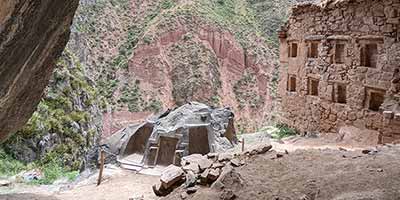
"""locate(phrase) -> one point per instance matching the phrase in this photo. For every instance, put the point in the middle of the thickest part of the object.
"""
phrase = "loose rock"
(228, 195)
(264, 149)
(190, 179)
(225, 157)
(159, 190)
(192, 190)
(213, 175)
(204, 164)
(235, 162)
(171, 175)
(5, 183)
(217, 165)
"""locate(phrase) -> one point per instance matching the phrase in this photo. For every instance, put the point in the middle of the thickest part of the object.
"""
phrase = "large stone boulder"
(33, 34)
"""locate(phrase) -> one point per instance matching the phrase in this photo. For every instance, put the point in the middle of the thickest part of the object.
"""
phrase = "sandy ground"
(117, 184)
(315, 168)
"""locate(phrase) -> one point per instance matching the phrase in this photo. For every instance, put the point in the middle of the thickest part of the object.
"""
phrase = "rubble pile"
(202, 170)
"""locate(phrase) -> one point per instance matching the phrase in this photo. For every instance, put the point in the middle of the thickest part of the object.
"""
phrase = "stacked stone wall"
(354, 78)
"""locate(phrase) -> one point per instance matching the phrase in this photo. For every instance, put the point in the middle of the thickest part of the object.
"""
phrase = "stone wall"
(340, 63)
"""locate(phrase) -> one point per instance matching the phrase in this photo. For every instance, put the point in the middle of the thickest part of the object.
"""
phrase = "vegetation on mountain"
(93, 76)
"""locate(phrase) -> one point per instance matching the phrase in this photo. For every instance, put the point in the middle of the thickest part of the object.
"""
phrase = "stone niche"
(193, 128)
(340, 68)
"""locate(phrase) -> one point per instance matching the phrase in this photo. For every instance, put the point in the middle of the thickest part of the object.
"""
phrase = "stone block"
(191, 179)
(388, 114)
(204, 164)
(171, 176)
(213, 175)
(225, 157)
(194, 167)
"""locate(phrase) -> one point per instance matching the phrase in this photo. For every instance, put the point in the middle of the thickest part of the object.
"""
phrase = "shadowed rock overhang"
(33, 34)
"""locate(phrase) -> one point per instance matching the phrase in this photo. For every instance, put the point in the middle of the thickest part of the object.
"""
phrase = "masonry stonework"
(340, 68)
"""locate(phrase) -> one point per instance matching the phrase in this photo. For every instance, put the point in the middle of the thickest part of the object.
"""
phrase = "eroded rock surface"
(32, 36)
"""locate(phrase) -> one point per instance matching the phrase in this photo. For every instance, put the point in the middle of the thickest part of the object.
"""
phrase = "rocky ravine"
(132, 58)
(172, 52)
(32, 35)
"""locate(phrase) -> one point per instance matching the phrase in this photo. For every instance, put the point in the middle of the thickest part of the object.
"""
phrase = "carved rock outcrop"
(32, 36)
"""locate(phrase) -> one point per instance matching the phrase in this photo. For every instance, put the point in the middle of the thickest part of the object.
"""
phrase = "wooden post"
(102, 157)
(242, 144)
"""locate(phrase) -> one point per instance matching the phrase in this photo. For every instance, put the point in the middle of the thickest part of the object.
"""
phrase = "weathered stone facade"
(340, 68)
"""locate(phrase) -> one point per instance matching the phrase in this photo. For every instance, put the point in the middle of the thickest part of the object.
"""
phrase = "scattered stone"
(213, 175)
(379, 170)
(159, 190)
(204, 164)
(264, 149)
(278, 155)
(184, 195)
(192, 190)
(31, 175)
(171, 175)
(191, 179)
(137, 198)
(342, 149)
(242, 162)
(228, 195)
(217, 165)
(191, 159)
(212, 155)
(194, 167)
(235, 162)
(203, 177)
(366, 151)
(286, 152)
(5, 183)
(253, 152)
(225, 157)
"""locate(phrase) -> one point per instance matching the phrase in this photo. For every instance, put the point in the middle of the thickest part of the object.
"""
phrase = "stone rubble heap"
(202, 170)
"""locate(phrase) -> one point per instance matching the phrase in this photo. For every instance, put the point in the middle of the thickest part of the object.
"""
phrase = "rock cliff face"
(161, 54)
(206, 64)
(32, 35)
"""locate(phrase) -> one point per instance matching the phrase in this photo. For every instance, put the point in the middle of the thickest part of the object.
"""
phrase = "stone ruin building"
(340, 63)
(193, 128)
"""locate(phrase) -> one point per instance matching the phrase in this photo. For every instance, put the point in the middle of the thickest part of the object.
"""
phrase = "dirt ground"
(124, 186)
(313, 170)
(313, 175)
(118, 184)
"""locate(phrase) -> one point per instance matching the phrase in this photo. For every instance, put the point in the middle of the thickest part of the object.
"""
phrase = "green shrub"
(283, 131)
(8, 165)
(53, 171)
(155, 105)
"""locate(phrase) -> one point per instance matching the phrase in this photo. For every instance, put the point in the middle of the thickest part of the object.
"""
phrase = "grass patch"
(279, 131)
(9, 166)
(52, 170)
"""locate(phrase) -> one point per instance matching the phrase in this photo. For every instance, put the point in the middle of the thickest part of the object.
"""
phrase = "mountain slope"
(128, 59)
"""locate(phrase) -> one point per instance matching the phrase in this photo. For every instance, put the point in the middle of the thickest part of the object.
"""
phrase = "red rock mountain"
(185, 55)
